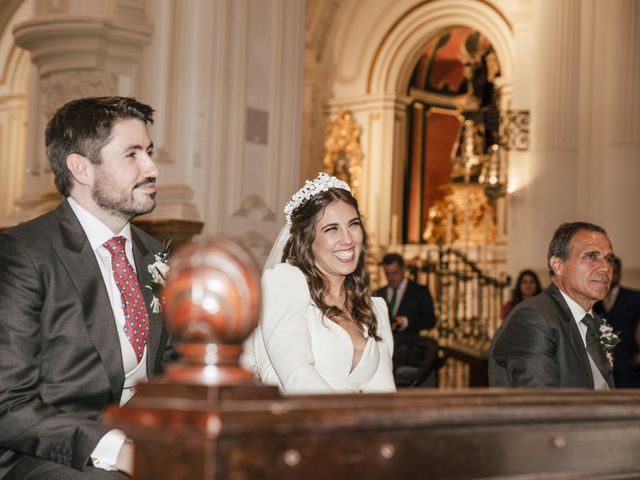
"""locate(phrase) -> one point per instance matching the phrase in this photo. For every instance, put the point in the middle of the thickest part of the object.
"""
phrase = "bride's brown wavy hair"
(298, 251)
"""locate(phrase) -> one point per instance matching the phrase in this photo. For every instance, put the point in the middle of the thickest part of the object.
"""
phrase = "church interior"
(475, 127)
(467, 129)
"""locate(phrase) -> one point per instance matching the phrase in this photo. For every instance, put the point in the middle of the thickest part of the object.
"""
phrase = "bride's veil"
(248, 358)
(275, 256)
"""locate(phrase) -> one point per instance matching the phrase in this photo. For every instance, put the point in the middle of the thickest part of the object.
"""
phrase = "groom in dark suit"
(76, 327)
(554, 339)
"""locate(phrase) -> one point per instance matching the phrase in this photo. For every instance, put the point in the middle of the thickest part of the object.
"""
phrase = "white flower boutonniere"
(159, 270)
(608, 339)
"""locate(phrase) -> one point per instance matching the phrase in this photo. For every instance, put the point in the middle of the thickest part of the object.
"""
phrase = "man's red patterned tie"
(136, 324)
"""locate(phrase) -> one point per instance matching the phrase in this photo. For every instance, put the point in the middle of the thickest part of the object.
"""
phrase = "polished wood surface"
(210, 420)
(211, 304)
(179, 232)
(198, 432)
(473, 355)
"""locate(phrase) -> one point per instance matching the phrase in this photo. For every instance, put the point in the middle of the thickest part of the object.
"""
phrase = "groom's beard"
(123, 202)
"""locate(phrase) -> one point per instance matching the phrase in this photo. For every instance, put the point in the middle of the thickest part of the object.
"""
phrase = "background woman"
(527, 286)
(320, 330)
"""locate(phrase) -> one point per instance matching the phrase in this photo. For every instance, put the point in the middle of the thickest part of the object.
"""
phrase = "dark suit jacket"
(623, 317)
(60, 359)
(416, 305)
(539, 345)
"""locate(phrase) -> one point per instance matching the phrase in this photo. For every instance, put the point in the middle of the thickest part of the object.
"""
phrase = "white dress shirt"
(578, 314)
(105, 454)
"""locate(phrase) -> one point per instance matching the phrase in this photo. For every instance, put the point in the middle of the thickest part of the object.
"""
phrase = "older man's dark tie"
(594, 348)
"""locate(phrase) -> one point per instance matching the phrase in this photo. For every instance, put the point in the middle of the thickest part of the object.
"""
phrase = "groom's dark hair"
(560, 245)
(84, 127)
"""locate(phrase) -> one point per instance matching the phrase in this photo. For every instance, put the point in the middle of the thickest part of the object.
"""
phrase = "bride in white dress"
(320, 331)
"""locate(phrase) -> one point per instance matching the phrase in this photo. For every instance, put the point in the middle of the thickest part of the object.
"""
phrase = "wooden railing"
(178, 232)
(469, 302)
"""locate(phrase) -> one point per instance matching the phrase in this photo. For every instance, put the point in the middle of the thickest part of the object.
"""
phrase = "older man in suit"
(76, 327)
(554, 338)
(415, 360)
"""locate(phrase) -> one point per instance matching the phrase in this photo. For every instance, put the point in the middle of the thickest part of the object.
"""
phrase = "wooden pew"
(207, 419)
(198, 432)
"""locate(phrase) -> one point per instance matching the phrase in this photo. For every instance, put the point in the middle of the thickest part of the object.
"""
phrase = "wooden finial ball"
(212, 293)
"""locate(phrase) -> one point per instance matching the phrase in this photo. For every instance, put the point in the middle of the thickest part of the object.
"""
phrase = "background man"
(553, 339)
(621, 308)
(415, 360)
(76, 330)
(410, 305)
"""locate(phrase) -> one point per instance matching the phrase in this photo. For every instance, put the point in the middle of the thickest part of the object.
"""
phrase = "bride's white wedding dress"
(301, 351)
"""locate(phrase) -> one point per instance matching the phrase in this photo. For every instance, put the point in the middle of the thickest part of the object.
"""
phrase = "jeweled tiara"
(321, 183)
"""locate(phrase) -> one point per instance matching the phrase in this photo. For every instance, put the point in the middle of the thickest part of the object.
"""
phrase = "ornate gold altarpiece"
(467, 212)
(343, 156)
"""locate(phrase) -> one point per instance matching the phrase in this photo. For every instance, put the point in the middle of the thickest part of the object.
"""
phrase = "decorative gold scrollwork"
(464, 214)
(514, 129)
(467, 211)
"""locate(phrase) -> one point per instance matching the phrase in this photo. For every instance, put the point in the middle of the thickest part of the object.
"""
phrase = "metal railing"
(468, 304)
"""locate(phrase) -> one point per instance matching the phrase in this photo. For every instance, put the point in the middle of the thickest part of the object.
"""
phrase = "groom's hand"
(125, 461)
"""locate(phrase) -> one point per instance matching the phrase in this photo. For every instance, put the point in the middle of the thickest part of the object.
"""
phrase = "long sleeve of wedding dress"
(283, 343)
(382, 380)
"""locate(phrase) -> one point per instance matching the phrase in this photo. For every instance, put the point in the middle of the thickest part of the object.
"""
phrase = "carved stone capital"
(61, 87)
(256, 205)
(80, 42)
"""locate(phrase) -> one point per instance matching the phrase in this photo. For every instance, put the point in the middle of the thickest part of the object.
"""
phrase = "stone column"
(14, 81)
(250, 116)
(78, 49)
(550, 84)
(609, 141)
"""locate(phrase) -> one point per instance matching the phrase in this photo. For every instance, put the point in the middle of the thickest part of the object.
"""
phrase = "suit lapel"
(571, 330)
(143, 257)
(80, 261)
(407, 295)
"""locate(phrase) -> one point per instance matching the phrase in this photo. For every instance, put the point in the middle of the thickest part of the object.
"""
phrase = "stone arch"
(402, 45)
